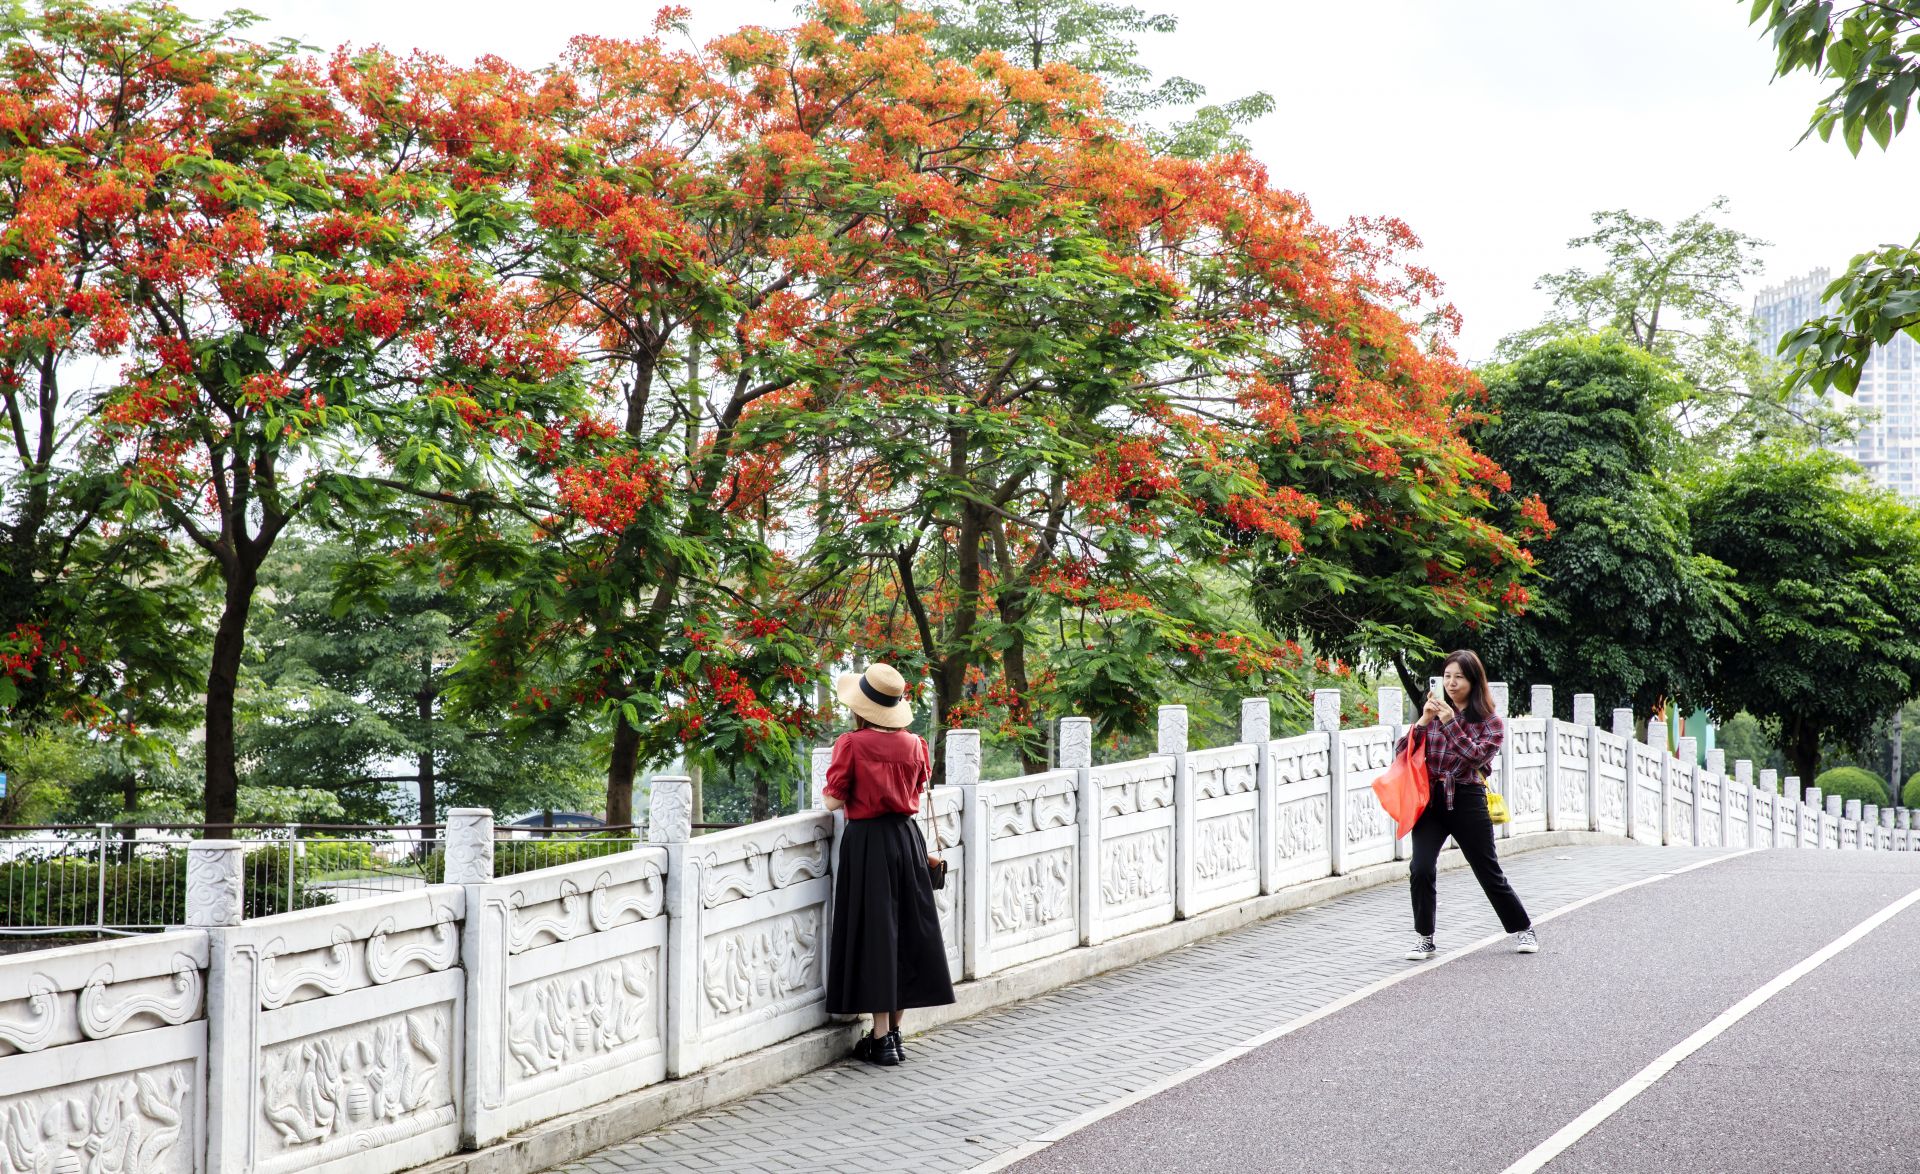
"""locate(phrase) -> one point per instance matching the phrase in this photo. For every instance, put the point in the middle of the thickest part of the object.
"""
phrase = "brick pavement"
(974, 1089)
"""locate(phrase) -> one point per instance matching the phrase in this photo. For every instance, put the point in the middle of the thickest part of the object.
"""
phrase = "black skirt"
(886, 953)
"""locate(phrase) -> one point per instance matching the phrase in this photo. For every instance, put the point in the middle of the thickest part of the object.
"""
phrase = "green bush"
(325, 855)
(1853, 782)
(1910, 795)
(145, 890)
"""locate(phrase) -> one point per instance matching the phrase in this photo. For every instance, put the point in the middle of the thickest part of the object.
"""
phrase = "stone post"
(1783, 836)
(1502, 781)
(1743, 778)
(1657, 746)
(1686, 757)
(1810, 798)
(1326, 720)
(215, 887)
(1583, 717)
(963, 771)
(1870, 826)
(1172, 743)
(483, 959)
(215, 882)
(1540, 705)
(1076, 755)
(1623, 728)
(1716, 770)
(821, 759)
(1393, 706)
(1256, 729)
(1850, 823)
(670, 826)
(1393, 715)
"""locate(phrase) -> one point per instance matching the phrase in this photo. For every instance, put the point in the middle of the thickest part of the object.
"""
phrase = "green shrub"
(1910, 795)
(149, 889)
(1853, 782)
(324, 855)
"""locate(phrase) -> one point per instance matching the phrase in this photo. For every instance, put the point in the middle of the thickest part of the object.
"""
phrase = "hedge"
(1853, 782)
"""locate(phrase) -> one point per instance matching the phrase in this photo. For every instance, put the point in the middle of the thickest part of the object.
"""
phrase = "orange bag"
(1403, 788)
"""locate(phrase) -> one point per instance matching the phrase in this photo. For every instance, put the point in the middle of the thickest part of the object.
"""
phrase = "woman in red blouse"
(886, 954)
(1462, 734)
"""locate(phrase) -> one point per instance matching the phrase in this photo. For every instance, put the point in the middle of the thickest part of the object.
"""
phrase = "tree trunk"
(620, 771)
(1895, 783)
(429, 810)
(1804, 745)
(222, 797)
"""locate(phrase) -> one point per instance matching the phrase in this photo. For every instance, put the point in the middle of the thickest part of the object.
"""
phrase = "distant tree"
(1825, 635)
(1098, 38)
(1626, 608)
(1675, 292)
(348, 694)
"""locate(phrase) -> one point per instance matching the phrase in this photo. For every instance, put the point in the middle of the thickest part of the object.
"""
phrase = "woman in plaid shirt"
(1462, 734)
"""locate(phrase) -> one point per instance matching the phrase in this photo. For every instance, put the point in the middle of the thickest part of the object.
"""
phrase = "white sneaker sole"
(1534, 948)
(1422, 955)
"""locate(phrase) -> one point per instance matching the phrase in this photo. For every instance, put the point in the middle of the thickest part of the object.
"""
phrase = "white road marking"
(1200, 1068)
(1616, 1100)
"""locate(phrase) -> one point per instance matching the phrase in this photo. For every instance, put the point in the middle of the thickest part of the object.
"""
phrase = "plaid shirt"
(1458, 751)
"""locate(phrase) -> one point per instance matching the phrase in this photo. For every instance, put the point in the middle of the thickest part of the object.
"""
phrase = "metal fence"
(61, 879)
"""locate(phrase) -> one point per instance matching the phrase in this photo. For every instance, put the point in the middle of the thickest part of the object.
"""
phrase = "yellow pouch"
(1497, 807)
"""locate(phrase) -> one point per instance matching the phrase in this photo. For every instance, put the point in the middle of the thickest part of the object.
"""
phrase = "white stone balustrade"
(379, 1034)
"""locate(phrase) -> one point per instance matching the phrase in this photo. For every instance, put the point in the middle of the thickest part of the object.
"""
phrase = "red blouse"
(879, 772)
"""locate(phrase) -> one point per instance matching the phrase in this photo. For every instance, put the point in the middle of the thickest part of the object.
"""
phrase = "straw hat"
(879, 695)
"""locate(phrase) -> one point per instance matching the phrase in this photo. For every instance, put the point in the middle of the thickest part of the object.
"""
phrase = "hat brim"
(892, 717)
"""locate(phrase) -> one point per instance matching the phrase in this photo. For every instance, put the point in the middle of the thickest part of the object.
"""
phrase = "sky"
(1493, 128)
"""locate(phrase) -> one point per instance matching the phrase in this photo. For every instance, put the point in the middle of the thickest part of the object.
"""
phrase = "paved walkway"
(975, 1090)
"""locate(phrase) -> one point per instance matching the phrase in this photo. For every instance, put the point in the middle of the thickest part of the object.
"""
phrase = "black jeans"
(1470, 828)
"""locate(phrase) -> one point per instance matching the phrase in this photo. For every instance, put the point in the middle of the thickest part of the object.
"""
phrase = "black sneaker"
(892, 1044)
(1423, 950)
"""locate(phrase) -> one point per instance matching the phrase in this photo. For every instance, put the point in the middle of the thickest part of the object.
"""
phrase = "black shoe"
(892, 1044)
(875, 1050)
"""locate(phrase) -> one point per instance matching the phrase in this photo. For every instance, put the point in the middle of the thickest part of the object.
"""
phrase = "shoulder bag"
(936, 867)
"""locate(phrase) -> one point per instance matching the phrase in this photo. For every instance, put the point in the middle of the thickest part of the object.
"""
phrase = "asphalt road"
(1469, 1066)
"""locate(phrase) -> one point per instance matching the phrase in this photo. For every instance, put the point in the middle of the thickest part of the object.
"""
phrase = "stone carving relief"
(1023, 811)
(1301, 828)
(124, 1124)
(1573, 793)
(571, 1018)
(775, 865)
(1137, 794)
(1366, 819)
(214, 883)
(1530, 790)
(569, 923)
(1680, 820)
(1032, 893)
(329, 975)
(1300, 765)
(604, 911)
(670, 811)
(762, 964)
(469, 847)
(43, 1005)
(438, 951)
(1613, 799)
(1646, 819)
(1224, 780)
(1135, 869)
(358, 1084)
(100, 1018)
(1223, 848)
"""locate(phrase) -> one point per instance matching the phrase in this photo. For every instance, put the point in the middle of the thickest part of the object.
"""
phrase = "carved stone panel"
(768, 964)
(357, 1087)
(1366, 819)
(1300, 829)
(1223, 848)
(1031, 896)
(1137, 869)
(581, 1020)
(134, 1121)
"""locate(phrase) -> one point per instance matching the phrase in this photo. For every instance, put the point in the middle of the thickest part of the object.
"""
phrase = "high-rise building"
(1888, 446)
